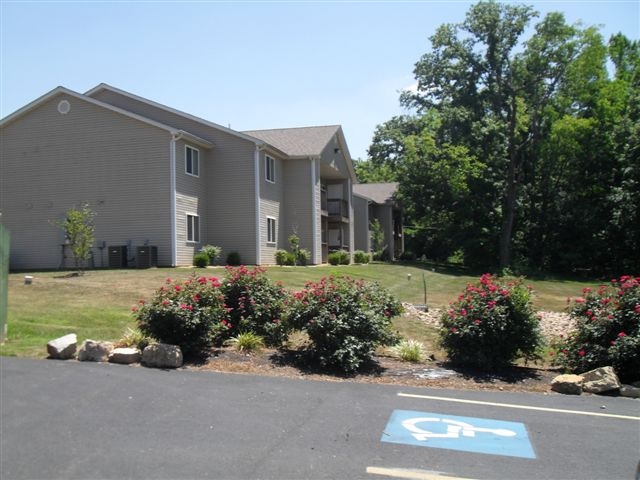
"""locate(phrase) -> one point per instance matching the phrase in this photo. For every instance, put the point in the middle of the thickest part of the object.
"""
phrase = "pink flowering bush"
(189, 314)
(607, 330)
(345, 320)
(254, 304)
(491, 325)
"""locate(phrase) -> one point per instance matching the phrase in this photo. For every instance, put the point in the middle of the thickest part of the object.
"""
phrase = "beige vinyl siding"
(230, 215)
(317, 212)
(272, 205)
(298, 209)
(231, 200)
(361, 224)
(191, 199)
(51, 162)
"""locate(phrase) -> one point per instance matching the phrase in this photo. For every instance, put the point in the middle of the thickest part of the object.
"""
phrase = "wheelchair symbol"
(454, 429)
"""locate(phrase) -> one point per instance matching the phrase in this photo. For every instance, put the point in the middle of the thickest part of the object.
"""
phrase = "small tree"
(377, 237)
(79, 231)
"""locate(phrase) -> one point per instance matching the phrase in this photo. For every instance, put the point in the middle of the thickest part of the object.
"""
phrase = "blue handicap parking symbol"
(467, 434)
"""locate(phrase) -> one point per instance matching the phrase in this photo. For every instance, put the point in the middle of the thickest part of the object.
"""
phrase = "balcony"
(338, 210)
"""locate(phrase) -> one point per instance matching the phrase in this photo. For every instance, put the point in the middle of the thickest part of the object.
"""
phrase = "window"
(192, 161)
(271, 230)
(270, 169)
(193, 228)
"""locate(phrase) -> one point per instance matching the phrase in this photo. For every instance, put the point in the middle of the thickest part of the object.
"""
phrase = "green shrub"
(361, 257)
(409, 351)
(233, 259)
(345, 320)
(254, 304)
(213, 253)
(607, 331)
(339, 257)
(188, 314)
(281, 257)
(201, 259)
(381, 255)
(491, 325)
(246, 342)
(302, 257)
(134, 338)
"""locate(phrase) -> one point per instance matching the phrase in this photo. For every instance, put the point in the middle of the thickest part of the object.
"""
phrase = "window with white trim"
(192, 161)
(193, 228)
(270, 169)
(271, 230)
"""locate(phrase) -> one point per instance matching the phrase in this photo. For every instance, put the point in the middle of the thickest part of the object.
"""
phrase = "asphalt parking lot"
(67, 419)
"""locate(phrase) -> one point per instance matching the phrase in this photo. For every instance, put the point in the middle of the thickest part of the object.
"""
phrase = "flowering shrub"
(607, 330)
(188, 314)
(254, 304)
(491, 325)
(344, 319)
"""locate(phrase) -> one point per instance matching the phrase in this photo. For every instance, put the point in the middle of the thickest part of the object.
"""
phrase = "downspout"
(256, 175)
(351, 219)
(172, 201)
(315, 212)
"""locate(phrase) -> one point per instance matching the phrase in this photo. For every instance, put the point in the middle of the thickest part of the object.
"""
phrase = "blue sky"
(246, 64)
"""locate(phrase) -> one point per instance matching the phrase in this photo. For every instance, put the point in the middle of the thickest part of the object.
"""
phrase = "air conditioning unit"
(118, 256)
(146, 257)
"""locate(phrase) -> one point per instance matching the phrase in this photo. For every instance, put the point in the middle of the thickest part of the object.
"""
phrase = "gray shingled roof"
(297, 142)
(378, 192)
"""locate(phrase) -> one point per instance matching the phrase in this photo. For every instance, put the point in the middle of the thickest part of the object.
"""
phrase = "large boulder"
(125, 356)
(92, 351)
(63, 348)
(600, 380)
(162, 355)
(567, 384)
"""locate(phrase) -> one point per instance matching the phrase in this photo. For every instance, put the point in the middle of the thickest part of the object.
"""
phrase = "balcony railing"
(338, 208)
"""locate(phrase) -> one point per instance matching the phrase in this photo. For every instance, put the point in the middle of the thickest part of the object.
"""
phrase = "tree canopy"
(522, 149)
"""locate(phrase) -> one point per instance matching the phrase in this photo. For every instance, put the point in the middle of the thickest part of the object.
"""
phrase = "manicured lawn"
(98, 304)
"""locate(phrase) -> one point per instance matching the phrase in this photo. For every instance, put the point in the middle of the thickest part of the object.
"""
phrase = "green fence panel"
(5, 244)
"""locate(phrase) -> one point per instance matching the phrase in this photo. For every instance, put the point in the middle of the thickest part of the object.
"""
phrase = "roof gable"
(305, 142)
(298, 142)
(380, 193)
(103, 86)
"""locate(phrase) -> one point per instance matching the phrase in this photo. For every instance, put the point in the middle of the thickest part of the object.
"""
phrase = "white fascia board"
(201, 142)
(62, 90)
(347, 155)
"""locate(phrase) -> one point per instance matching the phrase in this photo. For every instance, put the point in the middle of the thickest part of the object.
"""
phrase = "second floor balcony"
(338, 209)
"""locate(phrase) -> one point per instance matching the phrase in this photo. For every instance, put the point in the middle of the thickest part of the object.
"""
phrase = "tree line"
(521, 148)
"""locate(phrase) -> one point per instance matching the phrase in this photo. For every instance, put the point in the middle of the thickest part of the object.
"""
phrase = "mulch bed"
(383, 370)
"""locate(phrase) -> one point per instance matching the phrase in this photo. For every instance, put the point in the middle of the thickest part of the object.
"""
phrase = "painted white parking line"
(411, 474)
(522, 407)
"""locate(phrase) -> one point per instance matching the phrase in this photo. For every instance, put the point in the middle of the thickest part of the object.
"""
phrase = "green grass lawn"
(98, 304)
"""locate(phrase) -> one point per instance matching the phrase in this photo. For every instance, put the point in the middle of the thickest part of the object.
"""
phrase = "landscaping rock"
(125, 356)
(629, 391)
(92, 351)
(600, 380)
(63, 348)
(161, 355)
(567, 384)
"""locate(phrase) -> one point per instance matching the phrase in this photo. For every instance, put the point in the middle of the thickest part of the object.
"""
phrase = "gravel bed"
(553, 324)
